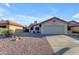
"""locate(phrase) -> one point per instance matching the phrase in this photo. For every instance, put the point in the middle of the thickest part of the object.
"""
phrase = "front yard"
(37, 45)
(27, 46)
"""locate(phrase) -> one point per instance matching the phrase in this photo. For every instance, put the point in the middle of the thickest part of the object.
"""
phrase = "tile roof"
(75, 23)
(54, 18)
(5, 22)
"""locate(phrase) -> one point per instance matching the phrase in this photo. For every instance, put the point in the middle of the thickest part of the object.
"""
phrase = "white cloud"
(4, 11)
(33, 18)
(27, 17)
(7, 4)
(23, 19)
(11, 18)
(23, 16)
(54, 10)
(1, 11)
(76, 15)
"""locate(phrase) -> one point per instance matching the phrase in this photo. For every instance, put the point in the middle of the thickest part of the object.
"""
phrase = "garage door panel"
(53, 30)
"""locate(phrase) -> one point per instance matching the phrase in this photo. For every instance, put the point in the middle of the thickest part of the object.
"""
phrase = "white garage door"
(53, 30)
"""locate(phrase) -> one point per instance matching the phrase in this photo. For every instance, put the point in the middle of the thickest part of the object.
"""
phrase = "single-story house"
(10, 25)
(51, 26)
(74, 26)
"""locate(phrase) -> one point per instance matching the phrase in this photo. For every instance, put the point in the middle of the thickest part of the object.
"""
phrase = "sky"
(27, 13)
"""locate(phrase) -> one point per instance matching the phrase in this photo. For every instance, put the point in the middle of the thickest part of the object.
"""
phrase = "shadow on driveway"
(62, 51)
(74, 37)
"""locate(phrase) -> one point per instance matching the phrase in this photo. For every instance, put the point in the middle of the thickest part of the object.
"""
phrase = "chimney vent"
(35, 22)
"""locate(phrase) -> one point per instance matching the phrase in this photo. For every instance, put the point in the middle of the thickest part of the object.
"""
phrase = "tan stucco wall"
(14, 28)
(74, 28)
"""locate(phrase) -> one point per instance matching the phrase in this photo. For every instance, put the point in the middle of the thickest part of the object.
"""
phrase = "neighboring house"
(51, 26)
(25, 29)
(34, 27)
(74, 26)
(10, 25)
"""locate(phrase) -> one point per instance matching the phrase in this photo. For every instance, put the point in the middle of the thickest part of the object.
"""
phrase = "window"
(40, 25)
(26, 30)
(31, 28)
(37, 28)
(69, 28)
(2, 26)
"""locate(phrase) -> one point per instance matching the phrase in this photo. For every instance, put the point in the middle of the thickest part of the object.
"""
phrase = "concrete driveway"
(62, 43)
(72, 51)
(75, 37)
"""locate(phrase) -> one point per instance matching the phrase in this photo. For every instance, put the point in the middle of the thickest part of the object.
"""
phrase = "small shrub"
(2, 30)
(75, 31)
(8, 33)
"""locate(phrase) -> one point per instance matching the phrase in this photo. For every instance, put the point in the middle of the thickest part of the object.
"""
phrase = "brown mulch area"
(26, 46)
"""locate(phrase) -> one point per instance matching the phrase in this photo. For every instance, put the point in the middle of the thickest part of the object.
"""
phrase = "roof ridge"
(54, 18)
(11, 22)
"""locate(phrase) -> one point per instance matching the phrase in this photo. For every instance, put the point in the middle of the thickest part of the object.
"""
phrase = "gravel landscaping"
(25, 46)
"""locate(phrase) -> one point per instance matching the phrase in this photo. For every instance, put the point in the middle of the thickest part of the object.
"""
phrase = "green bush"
(2, 31)
(75, 31)
(6, 32)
